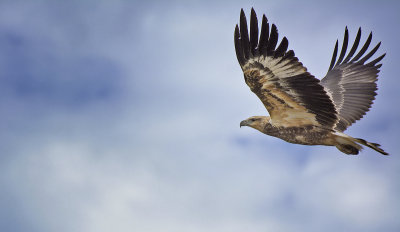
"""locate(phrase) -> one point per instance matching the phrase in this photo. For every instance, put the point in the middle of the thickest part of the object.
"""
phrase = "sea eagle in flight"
(303, 109)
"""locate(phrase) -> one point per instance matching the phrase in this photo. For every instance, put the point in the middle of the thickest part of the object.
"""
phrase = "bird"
(303, 109)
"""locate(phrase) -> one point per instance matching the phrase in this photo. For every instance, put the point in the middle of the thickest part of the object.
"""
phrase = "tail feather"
(352, 146)
(374, 146)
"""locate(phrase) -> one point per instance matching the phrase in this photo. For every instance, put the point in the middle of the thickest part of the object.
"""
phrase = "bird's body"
(307, 135)
(303, 109)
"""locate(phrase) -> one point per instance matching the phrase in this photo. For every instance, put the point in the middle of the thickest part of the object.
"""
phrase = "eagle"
(303, 109)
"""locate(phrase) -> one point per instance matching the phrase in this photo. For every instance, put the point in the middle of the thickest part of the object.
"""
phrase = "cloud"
(125, 116)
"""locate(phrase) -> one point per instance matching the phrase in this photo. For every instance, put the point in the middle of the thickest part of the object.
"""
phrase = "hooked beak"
(243, 123)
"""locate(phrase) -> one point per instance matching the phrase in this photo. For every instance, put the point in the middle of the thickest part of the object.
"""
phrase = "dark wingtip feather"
(264, 34)
(335, 50)
(238, 47)
(280, 51)
(372, 63)
(289, 54)
(344, 46)
(273, 40)
(371, 53)
(253, 44)
(354, 47)
(244, 35)
(253, 12)
(253, 31)
(363, 49)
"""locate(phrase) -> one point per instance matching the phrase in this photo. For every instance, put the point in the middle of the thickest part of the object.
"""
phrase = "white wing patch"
(278, 66)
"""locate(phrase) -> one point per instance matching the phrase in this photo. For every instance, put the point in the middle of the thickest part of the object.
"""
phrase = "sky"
(124, 116)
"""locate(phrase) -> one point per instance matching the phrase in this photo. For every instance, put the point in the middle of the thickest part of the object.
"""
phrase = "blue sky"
(124, 116)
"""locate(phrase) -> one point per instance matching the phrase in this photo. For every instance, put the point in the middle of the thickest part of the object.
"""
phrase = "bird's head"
(256, 122)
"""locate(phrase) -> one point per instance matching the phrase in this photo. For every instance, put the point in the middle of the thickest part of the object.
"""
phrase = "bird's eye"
(253, 119)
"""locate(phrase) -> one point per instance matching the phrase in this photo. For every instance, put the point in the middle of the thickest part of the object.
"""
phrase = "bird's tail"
(351, 146)
(374, 146)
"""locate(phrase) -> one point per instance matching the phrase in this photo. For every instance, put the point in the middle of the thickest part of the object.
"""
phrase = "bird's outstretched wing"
(351, 82)
(292, 96)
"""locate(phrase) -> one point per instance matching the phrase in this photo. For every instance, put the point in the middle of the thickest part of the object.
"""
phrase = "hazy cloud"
(125, 116)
